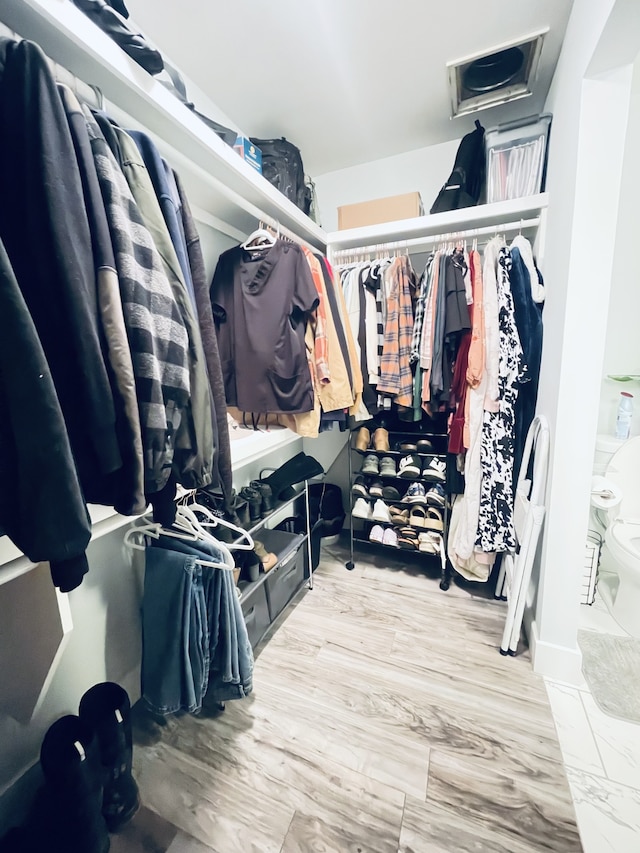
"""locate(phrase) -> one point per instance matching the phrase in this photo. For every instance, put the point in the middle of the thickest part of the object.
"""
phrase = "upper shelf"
(231, 188)
(482, 216)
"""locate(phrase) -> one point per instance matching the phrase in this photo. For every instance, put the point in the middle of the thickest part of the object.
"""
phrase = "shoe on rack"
(390, 538)
(381, 440)
(435, 470)
(424, 446)
(363, 439)
(416, 494)
(406, 540)
(398, 516)
(417, 517)
(370, 465)
(407, 447)
(429, 543)
(376, 489)
(254, 499)
(376, 534)
(388, 467)
(360, 487)
(362, 509)
(295, 470)
(240, 507)
(381, 512)
(409, 467)
(267, 559)
(266, 494)
(436, 495)
(390, 493)
(433, 520)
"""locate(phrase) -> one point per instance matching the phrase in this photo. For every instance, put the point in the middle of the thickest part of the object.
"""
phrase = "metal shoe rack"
(359, 528)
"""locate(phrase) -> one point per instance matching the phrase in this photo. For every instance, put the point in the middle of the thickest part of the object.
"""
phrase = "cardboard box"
(390, 209)
(248, 151)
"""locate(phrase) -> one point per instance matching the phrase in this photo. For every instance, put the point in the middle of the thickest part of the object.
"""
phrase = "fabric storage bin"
(517, 158)
(256, 614)
(286, 578)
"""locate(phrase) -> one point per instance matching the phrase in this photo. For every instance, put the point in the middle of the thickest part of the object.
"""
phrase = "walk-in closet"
(318, 449)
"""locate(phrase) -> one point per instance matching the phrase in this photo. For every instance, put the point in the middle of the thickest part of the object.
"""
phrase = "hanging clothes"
(128, 494)
(157, 336)
(46, 235)
(495, 520)
(396, 378)
(264, 360)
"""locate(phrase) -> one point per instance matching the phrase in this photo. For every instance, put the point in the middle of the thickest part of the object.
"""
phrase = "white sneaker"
(362, 509)
(381, 512)
(436, 470)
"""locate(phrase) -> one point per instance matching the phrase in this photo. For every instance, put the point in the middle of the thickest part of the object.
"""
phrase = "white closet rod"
(427, 241)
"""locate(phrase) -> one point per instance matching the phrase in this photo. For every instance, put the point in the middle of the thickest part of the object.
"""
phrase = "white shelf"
(230, 189)
(481, 216)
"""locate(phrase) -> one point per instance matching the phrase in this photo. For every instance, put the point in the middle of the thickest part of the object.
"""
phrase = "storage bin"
(517, 158)
(256, 613)
(286, 578)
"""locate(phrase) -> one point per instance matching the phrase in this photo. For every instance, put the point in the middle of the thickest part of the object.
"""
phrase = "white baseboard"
(558, 663)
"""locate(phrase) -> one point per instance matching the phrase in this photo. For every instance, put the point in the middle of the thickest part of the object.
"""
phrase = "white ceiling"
(348, 81)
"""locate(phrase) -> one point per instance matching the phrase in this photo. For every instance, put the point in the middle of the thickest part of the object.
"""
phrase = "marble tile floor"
(602, 756)
(383, 721)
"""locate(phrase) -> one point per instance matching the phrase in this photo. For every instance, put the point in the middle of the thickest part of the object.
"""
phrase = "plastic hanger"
(187, 512)
(265, 239)
(155, 530)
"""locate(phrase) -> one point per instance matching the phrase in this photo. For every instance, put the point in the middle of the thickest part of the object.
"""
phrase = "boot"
(363, 439)
(266, 494)
(67, 814)
(295, 470)
(106, 708)
(254, 499)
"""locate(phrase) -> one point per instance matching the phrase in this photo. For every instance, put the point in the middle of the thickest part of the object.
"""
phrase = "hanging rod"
(430, 240)
(85, 92)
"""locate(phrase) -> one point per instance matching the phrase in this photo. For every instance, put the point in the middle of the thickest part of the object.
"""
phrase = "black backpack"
(466, 183)
(282, 167)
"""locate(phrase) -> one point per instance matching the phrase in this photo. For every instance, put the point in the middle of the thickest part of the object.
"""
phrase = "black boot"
(254, 499)
(106, 708)
(266, 494)
(295, 470)
(67, 814)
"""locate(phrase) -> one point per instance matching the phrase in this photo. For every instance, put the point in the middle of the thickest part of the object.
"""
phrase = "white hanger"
(155, 530)
(266, 239)
(187, 512)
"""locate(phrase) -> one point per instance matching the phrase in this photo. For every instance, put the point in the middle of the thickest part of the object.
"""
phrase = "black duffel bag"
(282, 166)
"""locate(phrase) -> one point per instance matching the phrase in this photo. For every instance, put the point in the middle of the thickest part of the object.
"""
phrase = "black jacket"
(44, 227)
(41, 505)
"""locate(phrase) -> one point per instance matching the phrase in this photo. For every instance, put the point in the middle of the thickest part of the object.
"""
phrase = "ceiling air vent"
(505, 73)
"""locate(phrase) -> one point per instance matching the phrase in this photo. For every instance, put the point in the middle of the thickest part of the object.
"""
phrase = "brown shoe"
(381, 440)
(267, 559)
(364, 439)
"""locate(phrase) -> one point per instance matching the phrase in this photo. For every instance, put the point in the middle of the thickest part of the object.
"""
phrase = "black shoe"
(266, 495)
(107, 710)
(68, 811)
(254, 499)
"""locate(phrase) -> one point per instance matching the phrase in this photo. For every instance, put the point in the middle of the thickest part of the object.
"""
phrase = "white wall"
(622, 347)
(585, 166)
(424, 170)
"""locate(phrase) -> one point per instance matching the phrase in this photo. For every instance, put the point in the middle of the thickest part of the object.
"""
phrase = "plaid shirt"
(396, 378)
(157, 335)
(419, 318)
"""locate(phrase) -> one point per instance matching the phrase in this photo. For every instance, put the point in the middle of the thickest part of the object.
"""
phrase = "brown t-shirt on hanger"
(260, 302)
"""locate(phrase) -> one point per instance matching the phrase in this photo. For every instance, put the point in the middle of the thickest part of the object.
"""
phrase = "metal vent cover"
(504, 73)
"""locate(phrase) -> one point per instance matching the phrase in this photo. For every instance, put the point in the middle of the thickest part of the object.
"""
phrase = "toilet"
(619, 512)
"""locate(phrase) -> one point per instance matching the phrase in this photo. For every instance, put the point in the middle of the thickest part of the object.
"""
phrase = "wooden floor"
(383, 719)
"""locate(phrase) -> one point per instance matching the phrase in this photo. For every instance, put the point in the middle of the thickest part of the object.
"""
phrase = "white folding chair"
(528, 515)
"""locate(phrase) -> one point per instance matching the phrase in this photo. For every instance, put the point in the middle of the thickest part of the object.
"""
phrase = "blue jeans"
(195, 640)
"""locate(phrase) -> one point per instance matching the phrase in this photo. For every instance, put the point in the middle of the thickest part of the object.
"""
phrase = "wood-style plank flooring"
(383, 720)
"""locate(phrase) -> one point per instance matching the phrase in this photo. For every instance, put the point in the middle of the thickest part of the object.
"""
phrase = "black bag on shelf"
(466, 182)
(282, 166)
